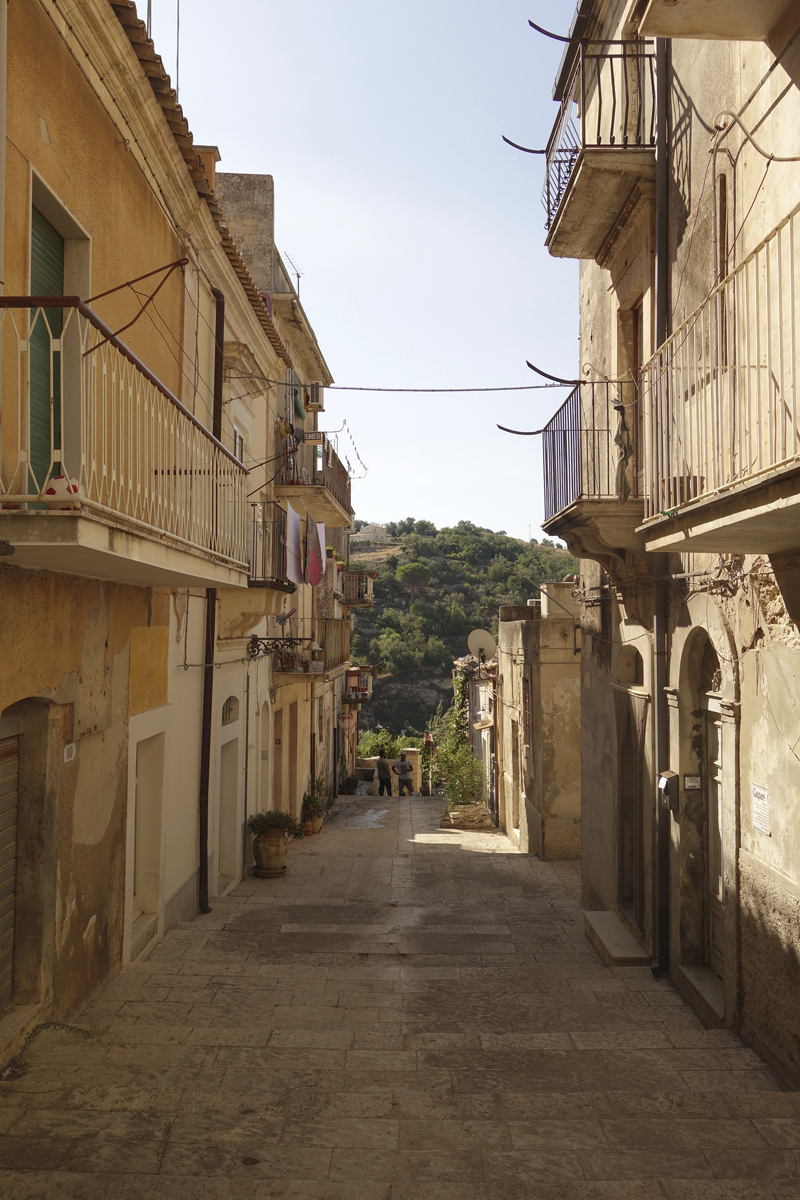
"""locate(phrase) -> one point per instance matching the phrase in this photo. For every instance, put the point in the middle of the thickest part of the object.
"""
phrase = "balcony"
(311, 472)
(103, 472)
(591, 477)
(266, 547)
(601, 147)
(332, 635)
(727, 20)
(356, 588)
(722, 441)
(357, 686)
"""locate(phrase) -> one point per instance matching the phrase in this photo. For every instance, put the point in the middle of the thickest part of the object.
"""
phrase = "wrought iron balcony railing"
(266, 546)
(358, 685)
(356, 588)
(88, 428)
(608, 104)
(315, 464)
(589, 449)
(333, 634)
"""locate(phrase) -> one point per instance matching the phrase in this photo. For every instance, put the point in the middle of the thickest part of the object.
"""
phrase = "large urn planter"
(272, 832)
(269, 851)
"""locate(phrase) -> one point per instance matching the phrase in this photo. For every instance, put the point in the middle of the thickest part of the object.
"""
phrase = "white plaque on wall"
(760, 799)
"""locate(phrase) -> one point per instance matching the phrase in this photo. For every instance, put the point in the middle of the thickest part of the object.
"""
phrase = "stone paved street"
(409, 1014)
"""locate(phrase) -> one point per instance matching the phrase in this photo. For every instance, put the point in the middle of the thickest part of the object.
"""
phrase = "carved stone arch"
(705, 617)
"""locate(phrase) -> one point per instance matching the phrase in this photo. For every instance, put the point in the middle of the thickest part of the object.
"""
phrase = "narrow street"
(409, 1014)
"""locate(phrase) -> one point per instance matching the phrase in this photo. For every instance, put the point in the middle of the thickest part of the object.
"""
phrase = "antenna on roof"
(298, 274)
(149, 20)
(177, 48)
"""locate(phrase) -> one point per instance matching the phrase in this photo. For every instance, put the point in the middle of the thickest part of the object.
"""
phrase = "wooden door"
(9, 802)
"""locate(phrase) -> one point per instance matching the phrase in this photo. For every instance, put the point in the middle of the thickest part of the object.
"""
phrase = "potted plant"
(314, 803)
(313, 811)
(272, 831)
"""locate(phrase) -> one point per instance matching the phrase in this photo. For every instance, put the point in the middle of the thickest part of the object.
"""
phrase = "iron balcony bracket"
(262, 647)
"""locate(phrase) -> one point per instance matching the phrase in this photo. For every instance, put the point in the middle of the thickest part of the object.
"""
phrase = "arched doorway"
(706, 733)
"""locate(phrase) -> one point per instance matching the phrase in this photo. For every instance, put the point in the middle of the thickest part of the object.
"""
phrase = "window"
(239, 443)
(230, 711)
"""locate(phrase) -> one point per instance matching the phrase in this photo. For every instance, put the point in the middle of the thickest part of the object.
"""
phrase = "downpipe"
(211, 629)
(661, 561)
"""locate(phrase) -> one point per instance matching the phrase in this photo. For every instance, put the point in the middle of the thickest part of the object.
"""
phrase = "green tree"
(413, 575)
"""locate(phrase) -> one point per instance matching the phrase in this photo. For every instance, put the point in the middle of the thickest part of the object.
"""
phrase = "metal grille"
(9, 800)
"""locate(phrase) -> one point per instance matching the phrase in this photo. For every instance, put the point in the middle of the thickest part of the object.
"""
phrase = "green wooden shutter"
(47, 279)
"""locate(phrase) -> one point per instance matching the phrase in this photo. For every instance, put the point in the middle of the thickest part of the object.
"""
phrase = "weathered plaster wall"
(541, 805)
(66, 641)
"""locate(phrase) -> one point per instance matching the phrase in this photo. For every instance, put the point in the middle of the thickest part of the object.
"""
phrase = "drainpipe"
(211, 632)
(3, 107)
(660, 561)
(219, 363)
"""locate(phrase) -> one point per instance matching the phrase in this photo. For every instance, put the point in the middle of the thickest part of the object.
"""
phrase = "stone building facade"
(149, 385)
(671, 471)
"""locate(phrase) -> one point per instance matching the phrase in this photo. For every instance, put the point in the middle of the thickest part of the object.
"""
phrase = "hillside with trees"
(432, 588)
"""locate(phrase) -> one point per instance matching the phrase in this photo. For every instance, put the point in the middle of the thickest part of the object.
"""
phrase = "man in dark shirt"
(384, 775)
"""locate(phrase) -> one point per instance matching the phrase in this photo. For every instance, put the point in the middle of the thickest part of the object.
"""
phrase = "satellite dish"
(482, 644)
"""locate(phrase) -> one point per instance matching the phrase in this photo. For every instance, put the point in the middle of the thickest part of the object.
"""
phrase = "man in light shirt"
(403, 770)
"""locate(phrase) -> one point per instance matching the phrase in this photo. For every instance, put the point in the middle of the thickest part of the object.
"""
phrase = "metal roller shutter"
(9, 798)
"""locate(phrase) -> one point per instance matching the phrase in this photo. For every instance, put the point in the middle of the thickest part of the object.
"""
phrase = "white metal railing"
(86, 425)
(720, 396)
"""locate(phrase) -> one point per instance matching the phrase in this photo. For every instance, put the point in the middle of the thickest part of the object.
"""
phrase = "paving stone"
(376, 1027)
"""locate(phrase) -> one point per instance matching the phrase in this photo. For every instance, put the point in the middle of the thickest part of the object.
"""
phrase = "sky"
(418, 232)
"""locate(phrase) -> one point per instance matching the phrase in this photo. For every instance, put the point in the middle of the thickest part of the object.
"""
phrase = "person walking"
(384, 775)
(403, 770)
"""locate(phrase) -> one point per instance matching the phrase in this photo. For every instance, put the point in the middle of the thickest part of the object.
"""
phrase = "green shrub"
(264, 822)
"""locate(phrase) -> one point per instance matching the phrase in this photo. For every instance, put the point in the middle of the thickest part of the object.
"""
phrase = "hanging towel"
(294, 550)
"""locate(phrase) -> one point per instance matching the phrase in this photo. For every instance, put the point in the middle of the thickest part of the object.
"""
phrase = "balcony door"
(47, 279)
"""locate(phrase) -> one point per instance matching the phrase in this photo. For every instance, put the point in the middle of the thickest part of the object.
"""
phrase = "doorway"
(294, 807)
(148, 797)
(9, 813)
(228, 832)
(712, 774)
(277, 760)
(515, 774)
(630, 714)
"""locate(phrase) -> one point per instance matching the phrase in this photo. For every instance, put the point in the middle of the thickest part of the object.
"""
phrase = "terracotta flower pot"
(316, 824)
(307, 827)
(269, 851)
